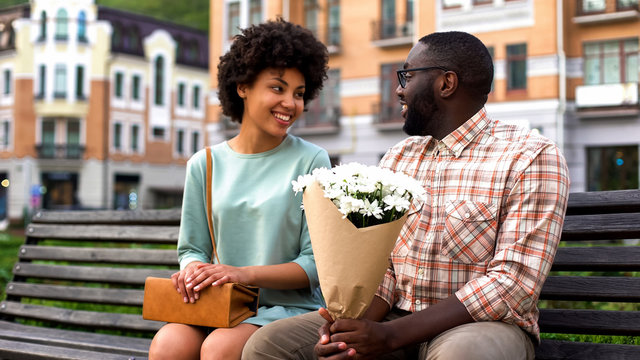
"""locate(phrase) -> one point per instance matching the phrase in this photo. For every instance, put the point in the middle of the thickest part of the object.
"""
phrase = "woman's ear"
(242, 90)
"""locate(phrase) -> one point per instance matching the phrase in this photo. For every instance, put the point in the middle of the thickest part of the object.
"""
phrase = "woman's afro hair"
(274, 44)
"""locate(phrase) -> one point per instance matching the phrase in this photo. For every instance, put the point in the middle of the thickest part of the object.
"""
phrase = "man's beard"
(421, 112)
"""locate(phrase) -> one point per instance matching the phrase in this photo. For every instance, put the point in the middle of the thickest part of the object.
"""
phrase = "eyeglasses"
(402, 73)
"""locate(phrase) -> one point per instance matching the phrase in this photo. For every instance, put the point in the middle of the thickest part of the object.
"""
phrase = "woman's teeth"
(282, 117)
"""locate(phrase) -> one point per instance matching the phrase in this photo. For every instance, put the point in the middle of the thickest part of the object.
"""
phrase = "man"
(469, 264)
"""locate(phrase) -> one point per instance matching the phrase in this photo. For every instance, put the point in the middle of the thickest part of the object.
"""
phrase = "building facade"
(100, 108)
(568, 69)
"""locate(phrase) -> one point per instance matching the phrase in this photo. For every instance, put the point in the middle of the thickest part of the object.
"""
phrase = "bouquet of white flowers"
(366, 195)
(354, 214)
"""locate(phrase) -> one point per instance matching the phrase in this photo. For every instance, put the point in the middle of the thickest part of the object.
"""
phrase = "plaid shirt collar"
(461, 137)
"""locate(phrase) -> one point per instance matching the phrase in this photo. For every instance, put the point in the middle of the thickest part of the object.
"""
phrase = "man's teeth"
(282, 117)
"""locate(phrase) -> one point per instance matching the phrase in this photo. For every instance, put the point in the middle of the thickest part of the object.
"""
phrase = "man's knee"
(292, 338)
(480, 341)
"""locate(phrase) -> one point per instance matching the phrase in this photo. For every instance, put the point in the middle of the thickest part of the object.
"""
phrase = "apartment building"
(568, 69)
(100, 108)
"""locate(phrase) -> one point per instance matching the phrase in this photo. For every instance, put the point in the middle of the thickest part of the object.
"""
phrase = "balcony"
(607, 100)
(64, 151)
(318, 121)
(387, 115)
(623, 11)
(387, 33)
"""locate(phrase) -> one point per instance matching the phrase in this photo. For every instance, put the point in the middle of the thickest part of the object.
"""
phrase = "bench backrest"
(86, 269)
(599, 253)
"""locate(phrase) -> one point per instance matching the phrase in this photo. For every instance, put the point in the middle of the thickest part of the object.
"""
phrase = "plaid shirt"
(490, 227)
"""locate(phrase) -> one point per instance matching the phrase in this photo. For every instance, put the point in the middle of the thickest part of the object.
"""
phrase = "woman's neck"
(253, 142)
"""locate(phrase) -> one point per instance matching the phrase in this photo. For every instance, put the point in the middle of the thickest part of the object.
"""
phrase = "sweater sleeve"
(194, 242)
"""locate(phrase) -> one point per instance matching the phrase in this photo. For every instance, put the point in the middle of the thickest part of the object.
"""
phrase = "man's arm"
(364, 338)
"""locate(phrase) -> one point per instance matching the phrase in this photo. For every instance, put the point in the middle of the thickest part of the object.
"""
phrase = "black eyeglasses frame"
(402, 77)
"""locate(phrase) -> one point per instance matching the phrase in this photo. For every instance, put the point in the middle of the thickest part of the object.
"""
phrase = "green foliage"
(9, 245)
(192, 13)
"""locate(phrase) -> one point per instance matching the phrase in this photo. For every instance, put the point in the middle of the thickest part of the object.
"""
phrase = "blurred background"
(103, 102)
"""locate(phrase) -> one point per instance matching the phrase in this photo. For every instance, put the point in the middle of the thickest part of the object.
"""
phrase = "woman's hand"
(215, 275)
(180, 282)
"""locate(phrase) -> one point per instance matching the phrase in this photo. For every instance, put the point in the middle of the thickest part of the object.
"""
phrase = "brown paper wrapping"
(351, 262)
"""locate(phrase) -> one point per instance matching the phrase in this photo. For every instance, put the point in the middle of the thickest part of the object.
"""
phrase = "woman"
(271, 71)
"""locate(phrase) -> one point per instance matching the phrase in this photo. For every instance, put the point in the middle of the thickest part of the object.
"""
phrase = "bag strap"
(209, 150)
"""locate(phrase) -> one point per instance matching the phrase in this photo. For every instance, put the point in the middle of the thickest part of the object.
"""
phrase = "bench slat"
(600, 258)
(594, 322)
(567, 350)
(29, 351)
(601, 202)
(592, 288)
(77, 293)
(133, 276)
(100, 255)
(93, 319)
(130, 233)
(601, 227)
(151, 217)
(114, 344)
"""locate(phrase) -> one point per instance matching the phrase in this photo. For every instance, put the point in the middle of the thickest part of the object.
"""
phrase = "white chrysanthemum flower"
(396, 202)
(372, 209)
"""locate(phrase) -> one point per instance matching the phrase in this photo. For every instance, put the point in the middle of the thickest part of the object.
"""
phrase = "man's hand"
(352, 339)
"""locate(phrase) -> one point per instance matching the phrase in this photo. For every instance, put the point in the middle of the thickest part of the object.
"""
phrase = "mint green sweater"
(257, 218)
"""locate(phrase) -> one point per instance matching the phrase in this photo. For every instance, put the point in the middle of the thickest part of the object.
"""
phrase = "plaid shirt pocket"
(470, 231)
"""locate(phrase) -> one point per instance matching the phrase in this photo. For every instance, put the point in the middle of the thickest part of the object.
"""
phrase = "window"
(325, 110)
(73, 139)
(612, 168)
(135, 135)
(7, 81)
(334, 22)
(80, 82)
(48, 138)
(593, 5)
(61, 25)
(180, 142)
(196, 97)
(119, 84)
(255, 12)
(626, 4)
(233, 25)
(311, 15)
(116, 36)
(517, 67)
(60, 84)
(43, 25)
(82, 26)
(388, 25)
(42, 78)
(159, 81)
(195, 142)
(117, 136)
(390, 107)
(135, 87)
(181, 89)
(611, 62)
(482, 2)
(158, 133)
(5, 133)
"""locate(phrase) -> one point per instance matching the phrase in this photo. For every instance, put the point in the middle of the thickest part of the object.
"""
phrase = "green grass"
(9, 245)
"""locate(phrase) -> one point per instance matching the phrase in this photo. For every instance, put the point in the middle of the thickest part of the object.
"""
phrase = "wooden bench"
(592, 241)
(72, 259)
(124, 247)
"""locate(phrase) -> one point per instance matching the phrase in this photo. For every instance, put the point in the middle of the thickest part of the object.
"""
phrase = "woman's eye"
(277, 88)
(300, 94)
